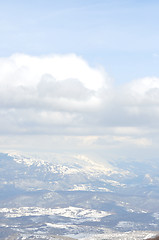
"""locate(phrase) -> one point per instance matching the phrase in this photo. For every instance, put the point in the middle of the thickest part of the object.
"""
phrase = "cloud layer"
(62, 95)
(40, 94)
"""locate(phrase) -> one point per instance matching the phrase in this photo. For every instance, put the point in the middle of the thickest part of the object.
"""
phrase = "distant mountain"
(51, 195)
(77, 173)
(29, 173)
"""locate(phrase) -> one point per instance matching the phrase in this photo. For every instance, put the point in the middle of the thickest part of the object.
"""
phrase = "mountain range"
(48, 195)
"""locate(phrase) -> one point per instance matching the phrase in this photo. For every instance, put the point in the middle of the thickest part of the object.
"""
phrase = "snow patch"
(70, 212)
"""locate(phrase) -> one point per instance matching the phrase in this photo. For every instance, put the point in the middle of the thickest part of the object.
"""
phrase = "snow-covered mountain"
(30, 173)
(74, 196)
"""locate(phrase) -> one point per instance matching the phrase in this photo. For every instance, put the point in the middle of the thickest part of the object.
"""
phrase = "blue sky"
(122, 35)
(80, 76)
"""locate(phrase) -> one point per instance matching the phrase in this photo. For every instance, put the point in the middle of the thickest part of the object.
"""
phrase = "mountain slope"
(42, 197)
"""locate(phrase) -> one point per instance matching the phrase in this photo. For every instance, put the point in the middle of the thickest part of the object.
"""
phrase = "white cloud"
(24, 70)
(63, 96)
(49, 82)
(144, 88)
(43, 94)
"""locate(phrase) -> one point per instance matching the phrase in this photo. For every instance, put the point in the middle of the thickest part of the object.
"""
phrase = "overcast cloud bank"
(61, 95)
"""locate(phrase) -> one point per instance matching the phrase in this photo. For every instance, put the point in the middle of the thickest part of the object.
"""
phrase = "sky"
(80, 76)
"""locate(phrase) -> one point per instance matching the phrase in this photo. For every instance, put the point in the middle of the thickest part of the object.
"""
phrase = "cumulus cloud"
(142, 101)
(49, 81)
(49, 87)
(40, 94)
(63, 95)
